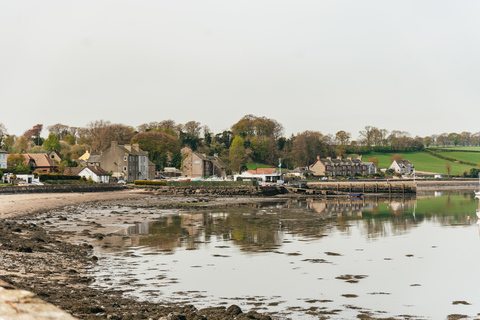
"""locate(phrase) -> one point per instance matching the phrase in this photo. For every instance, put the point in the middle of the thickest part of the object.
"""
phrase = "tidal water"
(305, 259)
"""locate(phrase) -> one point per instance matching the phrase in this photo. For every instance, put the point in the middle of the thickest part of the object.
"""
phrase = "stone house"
(199, 165)
(3, 159)
(151, 170)
(338, 166)
(403, 167)
(126, 162)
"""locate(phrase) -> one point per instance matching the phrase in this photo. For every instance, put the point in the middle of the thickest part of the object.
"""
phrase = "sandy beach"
(14, 205)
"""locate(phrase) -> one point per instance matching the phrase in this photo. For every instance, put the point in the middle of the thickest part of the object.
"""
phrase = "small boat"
(355, 195)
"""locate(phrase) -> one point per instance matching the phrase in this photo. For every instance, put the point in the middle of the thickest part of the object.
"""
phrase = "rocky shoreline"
(53, 265)
(44, 262)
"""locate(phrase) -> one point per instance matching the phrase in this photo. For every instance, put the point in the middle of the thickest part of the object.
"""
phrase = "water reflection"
(263, 228)
(289, 257)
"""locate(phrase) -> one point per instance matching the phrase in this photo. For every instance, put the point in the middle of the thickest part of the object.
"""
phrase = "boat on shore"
(355, 195)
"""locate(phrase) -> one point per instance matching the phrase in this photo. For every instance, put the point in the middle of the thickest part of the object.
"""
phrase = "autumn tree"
(23, 144)
(252, 126)
(448, 167)
(396, 157)
(374, 160)
(162, 148)
(60, 130)
(34, 133)
(16, 163)
(307, 146)
(99, 134)
(343, 137)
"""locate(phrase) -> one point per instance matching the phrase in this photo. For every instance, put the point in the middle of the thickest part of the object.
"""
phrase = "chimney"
(329, 158)
(114, 144)
(318, 158)
(339, 157)
(136, 147)
(128, 147)
(349, 158)
(215, 155)
(360, 157)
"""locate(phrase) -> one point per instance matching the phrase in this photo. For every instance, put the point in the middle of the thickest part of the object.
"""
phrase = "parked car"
(122, 181)
(37, 183)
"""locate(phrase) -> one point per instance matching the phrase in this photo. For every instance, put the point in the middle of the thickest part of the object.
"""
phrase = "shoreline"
(50, 263)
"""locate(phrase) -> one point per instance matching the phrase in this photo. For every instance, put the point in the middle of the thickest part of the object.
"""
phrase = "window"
(125, 158)
(124, 168)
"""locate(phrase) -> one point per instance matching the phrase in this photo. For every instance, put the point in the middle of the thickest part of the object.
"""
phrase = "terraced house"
(126, 162)
(338, 166)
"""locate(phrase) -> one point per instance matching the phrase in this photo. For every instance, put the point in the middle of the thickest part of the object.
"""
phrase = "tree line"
(251, 139)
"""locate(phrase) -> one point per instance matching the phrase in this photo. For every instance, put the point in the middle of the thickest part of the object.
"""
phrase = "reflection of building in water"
(340, 207)
(138, 228)
(348, 207)
(399, 208)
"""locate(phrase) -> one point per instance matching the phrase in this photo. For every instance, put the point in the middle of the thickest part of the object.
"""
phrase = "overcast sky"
(310, 65)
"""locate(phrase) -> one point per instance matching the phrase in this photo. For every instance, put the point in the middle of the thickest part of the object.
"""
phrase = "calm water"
(341, 258)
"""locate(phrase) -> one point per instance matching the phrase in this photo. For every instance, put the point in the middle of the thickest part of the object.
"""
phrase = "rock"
(234, 310)
(176, 316)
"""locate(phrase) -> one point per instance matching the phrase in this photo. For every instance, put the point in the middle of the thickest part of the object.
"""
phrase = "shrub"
(57, 176)
(149, 183)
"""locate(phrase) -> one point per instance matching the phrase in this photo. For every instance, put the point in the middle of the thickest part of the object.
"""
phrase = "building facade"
(338, 166)
(403, 167)
(199, 165)
(126, 162)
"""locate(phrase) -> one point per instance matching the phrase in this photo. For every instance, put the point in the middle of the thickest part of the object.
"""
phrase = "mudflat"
(51, 264)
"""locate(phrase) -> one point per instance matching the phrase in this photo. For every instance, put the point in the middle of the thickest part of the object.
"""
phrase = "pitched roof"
(41, 159)
(3, 151)
(73, 170)
(96, 170)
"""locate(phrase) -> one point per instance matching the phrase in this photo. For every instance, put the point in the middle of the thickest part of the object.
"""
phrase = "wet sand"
(14, 205)
(54, 266)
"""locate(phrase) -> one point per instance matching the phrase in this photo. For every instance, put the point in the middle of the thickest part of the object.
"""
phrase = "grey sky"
(311, 65)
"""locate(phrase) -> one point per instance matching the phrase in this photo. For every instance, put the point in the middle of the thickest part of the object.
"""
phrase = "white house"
(27, 178)
(3, 159)
(404, 167)
(262, 175)
(96, 173)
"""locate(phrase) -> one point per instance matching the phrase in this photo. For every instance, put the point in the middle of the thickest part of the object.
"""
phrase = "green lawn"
(253, 166)
(422, 161)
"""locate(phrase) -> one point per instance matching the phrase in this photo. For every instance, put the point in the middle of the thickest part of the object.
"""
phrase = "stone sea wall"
(61, 188)
(220, 191)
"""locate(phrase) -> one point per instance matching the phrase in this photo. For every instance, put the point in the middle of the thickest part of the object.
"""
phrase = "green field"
(459, 148)
(253, 166)
(465, 156)
(422, 161)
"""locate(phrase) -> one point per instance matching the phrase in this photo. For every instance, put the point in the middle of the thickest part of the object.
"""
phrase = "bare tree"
(60, 130)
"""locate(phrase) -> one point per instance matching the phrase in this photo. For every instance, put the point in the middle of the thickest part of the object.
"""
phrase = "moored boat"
(355, 195)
